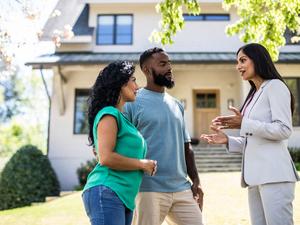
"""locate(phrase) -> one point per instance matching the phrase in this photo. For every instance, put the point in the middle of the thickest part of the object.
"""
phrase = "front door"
(206, 108)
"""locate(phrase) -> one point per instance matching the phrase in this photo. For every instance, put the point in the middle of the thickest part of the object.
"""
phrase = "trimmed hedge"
(27, 177)
(83, 172)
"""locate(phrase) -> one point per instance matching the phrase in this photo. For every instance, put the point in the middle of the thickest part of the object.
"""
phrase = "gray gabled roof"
(81, 26)
(98, 58)
(70, 11)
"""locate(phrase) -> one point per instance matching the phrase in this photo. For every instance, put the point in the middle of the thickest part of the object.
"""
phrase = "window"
(294, 86)
(206, 17)
(114, 30)
(288, 34)
(80, 119)
(208, 100)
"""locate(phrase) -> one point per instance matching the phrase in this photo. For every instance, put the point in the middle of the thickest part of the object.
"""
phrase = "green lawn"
(225, 204)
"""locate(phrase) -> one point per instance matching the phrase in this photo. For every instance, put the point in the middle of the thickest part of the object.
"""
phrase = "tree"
(22, 95)
(28, 15)
(261, 21)
(24, 111)
(10, 98)
(172, 20)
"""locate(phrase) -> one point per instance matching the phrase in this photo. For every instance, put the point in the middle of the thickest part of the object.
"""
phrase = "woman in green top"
(112, 186)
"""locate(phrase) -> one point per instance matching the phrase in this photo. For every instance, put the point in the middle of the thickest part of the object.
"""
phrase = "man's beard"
(162, 80)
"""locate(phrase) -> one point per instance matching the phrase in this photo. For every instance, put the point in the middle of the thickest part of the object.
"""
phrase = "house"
(203, 59)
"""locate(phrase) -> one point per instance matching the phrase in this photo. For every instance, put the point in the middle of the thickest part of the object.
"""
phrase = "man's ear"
(145, 69)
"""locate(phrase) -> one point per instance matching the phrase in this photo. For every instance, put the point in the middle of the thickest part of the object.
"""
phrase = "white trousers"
(271, 204)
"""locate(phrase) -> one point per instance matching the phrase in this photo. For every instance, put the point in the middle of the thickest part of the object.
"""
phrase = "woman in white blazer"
(265, 123)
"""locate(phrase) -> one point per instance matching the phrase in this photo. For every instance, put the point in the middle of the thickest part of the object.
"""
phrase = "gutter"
(49, 109)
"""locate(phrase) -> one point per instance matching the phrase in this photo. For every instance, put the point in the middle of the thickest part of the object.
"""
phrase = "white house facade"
(203, 59)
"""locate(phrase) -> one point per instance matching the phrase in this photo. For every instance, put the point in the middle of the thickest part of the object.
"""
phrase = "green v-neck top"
(130, 143)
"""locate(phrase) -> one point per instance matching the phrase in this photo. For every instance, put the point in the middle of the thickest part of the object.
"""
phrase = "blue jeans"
(103, 207)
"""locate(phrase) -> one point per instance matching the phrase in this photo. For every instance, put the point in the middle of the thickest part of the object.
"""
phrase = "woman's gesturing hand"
(217, 138)
(149, 166)
(229, 122)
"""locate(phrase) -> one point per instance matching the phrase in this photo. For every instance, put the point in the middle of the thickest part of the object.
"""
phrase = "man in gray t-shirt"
(160, 119)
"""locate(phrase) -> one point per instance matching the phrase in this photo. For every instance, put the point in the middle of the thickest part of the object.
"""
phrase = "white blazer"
(265, 128)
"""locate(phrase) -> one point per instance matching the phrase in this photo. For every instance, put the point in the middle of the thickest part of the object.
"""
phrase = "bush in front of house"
(295, 154)
(83, 172)
(27, 177)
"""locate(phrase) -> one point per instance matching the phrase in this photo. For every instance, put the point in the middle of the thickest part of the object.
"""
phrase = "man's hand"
(193, 174)
(198, 194)
(217, 138)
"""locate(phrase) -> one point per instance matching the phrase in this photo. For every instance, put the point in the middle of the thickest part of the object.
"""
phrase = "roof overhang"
(138, 1)
(47, 61)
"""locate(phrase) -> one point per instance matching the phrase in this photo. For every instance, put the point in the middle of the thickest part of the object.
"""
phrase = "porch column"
(58, 81)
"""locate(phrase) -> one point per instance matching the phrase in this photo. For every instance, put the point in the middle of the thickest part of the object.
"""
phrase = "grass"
(225, 204)
(67, 210)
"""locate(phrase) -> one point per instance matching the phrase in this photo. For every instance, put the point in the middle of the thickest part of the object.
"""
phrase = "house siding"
(68, 150)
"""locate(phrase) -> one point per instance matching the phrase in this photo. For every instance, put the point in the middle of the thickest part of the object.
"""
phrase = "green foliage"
(27, 177)
(10, 97)
(295, 154)
(23, 126)
(297, 165)
(16, 134)
(172, 20)
(261, 21)
(264, 21)
(83, 172)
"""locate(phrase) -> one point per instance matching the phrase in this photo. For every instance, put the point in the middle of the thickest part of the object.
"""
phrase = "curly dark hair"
(147, 54)
(106, 90)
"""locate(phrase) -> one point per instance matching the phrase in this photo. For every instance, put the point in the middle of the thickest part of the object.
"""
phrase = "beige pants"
(271, 204)
(179, 208)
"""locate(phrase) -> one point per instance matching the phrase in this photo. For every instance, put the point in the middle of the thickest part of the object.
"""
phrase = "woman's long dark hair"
(106, 90)
(264, 67)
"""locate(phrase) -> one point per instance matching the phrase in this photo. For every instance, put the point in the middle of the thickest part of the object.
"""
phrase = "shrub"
(83, 172)
(297, 165)
(27, 177)
(295, 154)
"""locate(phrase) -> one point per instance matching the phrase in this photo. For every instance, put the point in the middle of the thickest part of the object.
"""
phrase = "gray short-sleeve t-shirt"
(159, 118)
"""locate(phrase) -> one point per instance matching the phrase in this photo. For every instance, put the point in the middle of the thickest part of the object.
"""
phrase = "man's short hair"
(147, 54)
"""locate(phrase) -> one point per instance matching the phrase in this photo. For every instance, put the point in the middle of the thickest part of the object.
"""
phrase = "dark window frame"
(296, 97)
(78, 92)
(288, 34)
(114, 29)
(205, 17)
(206, 100)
